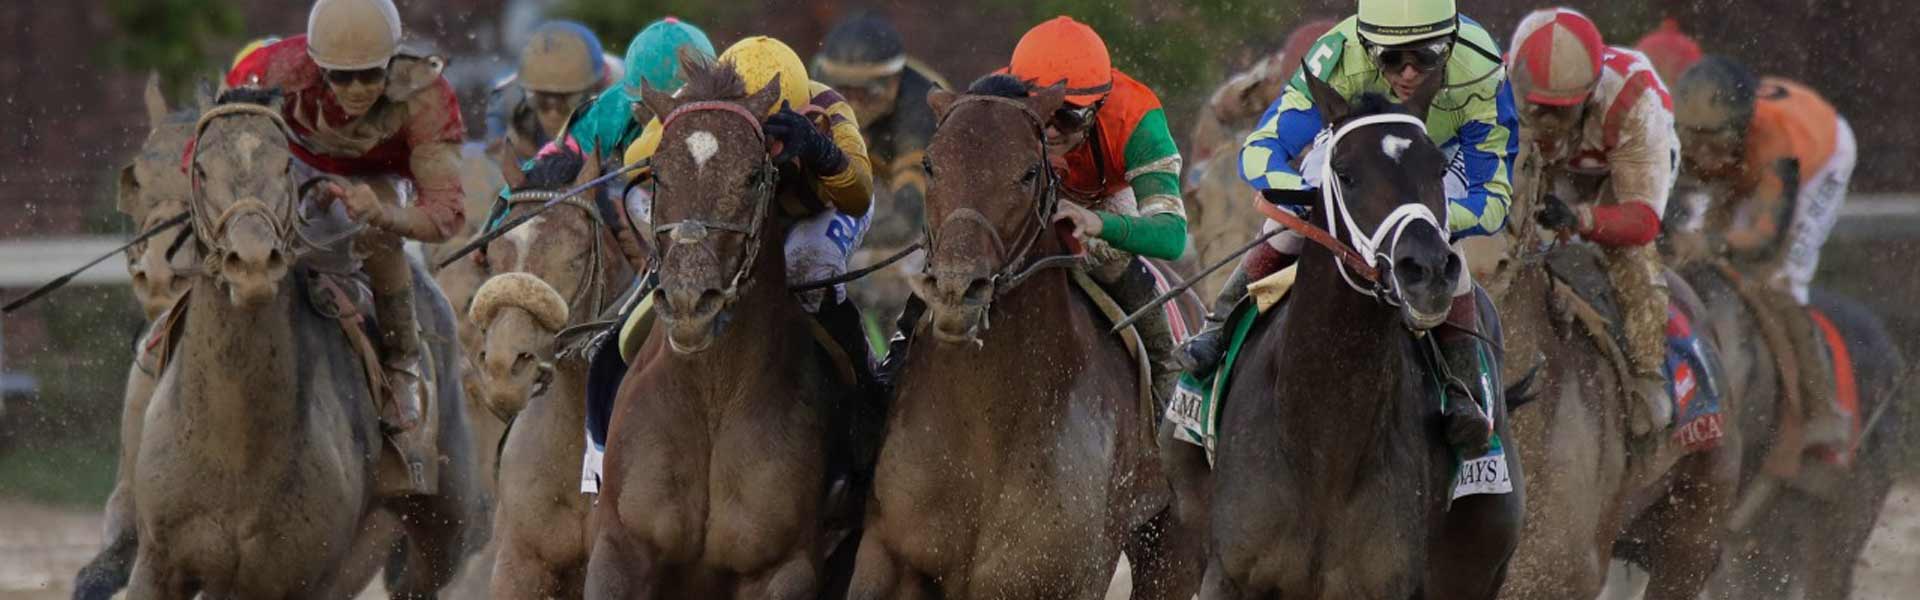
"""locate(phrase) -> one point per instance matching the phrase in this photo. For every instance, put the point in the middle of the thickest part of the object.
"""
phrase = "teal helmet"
(653, 57)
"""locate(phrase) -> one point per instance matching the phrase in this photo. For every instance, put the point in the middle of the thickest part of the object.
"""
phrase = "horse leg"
(151, 581)
(796, 579)
(518, 572)
(1214, 584)
(878, 575)
(433, 547)
(621, 568)
(109, 570)
(1165, 558)
(1845, 528)
(1684, 544)
(1480, 532)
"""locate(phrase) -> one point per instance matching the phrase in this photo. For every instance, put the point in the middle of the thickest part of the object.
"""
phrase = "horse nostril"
(232, 261)
(979, 291)
(276, 261)
(1409, 270)
(1453, 267)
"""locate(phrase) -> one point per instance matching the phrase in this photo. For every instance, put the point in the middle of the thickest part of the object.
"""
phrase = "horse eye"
(1345, 179)
(1032, 172)
(926, 163)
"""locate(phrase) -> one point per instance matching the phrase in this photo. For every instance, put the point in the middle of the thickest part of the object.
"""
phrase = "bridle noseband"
(1014, 268)
(593, 288)
(695, 230)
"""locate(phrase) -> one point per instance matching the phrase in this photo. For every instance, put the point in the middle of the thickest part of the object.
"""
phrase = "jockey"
(362, 108)
(1601, 122)
(561, 68)
(1389, 47)
(1777, 158)
(1671, 51)
(1119, 172)
(830, 222)
(865, 60)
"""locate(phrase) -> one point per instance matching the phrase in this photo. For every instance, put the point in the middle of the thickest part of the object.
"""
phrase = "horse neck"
(1343, 376)
(1033, 324)
(237, 366)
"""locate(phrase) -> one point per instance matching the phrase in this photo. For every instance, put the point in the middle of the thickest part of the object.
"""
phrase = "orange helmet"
(1556, 57)
(1063, 50)
(1671, 51)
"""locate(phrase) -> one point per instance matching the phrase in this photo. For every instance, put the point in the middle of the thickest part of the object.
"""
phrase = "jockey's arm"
(1643, 168)
(851, 188)
(1758, 222)
(1153, 172)
(1488, 145)
(433, 132)
(1285, 133)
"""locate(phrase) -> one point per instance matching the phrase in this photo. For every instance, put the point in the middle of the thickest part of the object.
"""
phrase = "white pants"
(818, 247)
(1816, 208)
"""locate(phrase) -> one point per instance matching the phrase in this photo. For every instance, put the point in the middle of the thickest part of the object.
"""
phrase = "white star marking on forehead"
(702, 146)
(246, 143)
(1394, 146)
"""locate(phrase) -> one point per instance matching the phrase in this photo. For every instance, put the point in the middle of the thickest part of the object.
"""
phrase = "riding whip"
(1155, 303)
(57, 283)
(481, 240)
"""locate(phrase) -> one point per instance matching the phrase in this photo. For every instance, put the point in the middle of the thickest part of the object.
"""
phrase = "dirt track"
(41, 547)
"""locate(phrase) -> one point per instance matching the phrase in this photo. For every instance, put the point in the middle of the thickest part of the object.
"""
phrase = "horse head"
(990, 197)
(1382, 194)
(714, 185)
(518, 315)
(151, 190)
(243, 194)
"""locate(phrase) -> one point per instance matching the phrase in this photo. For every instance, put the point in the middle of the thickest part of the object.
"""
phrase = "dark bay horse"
(1333, 477)
(718, 481)
(258, 460)
(1018, 463)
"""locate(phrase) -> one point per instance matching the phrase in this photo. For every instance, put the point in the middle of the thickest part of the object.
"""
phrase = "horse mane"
(249, 95)
(553, 170)
(709, 79)
(999, 84)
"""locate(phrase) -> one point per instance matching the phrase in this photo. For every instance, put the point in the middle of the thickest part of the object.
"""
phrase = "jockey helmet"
(250, 47)
(859, 50)
(562, 57)
(1402, 22)
(1555, 57)
(1670, 50)
(1065, 51)
(759, 58)
(353, 35)
(653, 57)
(1716, 94)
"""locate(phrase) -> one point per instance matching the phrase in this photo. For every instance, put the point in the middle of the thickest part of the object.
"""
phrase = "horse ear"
(1333, 107)
(661, 103)
(204, 92)
(156, 101)
(589, 169)
(1423, 96)
(1045, 100)
(510, 167)
(762, 101)
(941, 101)
(128, 202)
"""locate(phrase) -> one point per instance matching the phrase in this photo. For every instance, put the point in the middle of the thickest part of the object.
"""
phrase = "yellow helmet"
(759, 58)
(250, 47)
(643, 147)
(350, 35)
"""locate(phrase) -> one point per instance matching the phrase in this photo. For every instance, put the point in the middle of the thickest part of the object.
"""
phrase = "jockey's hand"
(1086, 223)
(359, 200)
(1555, 214)
(801, 141)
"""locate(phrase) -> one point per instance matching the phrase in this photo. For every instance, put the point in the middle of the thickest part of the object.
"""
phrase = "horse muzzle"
(1423, 277)
(693, 317)
(252, 263)
(958, 305)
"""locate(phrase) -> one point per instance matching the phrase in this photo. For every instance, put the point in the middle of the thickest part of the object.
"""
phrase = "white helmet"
(350, 35)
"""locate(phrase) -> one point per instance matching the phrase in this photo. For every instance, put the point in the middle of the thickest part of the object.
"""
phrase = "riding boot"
(1203, 352)
(897, 346)
(406, 410)
(863, 411)
(1827, 425)
(1468, 428)
(1132, 290)
(1635, 274)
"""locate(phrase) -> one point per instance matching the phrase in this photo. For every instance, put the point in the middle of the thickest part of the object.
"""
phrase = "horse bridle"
(693, 231)
(1376, 245)
(1014, 268)
(211, 231)
(593, 288)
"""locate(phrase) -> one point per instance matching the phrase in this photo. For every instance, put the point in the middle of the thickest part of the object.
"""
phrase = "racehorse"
(1019, 461)
(1332, 477)
(258, 464)
(720, 477)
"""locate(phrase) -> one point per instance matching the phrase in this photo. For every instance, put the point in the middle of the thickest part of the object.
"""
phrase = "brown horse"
(1591, 480)
(1804, 534)
(717, 481)
(557, 270)
(1018, 463)
(151, 190)
(1332, 477)
(258, 457)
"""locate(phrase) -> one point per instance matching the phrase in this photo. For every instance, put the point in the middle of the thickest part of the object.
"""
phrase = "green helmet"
(1715, 94)
(653, 56)
(1401, 22)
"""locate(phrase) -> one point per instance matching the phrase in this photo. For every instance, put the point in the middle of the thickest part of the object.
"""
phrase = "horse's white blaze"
(702, 146)
(522, 238)
(246, 143)
(1394, 146)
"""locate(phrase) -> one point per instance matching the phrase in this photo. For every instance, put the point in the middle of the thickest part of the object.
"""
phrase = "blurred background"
(71, 115)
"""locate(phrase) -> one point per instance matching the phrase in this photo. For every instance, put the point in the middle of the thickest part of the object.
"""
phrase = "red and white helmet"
(1555, 60)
